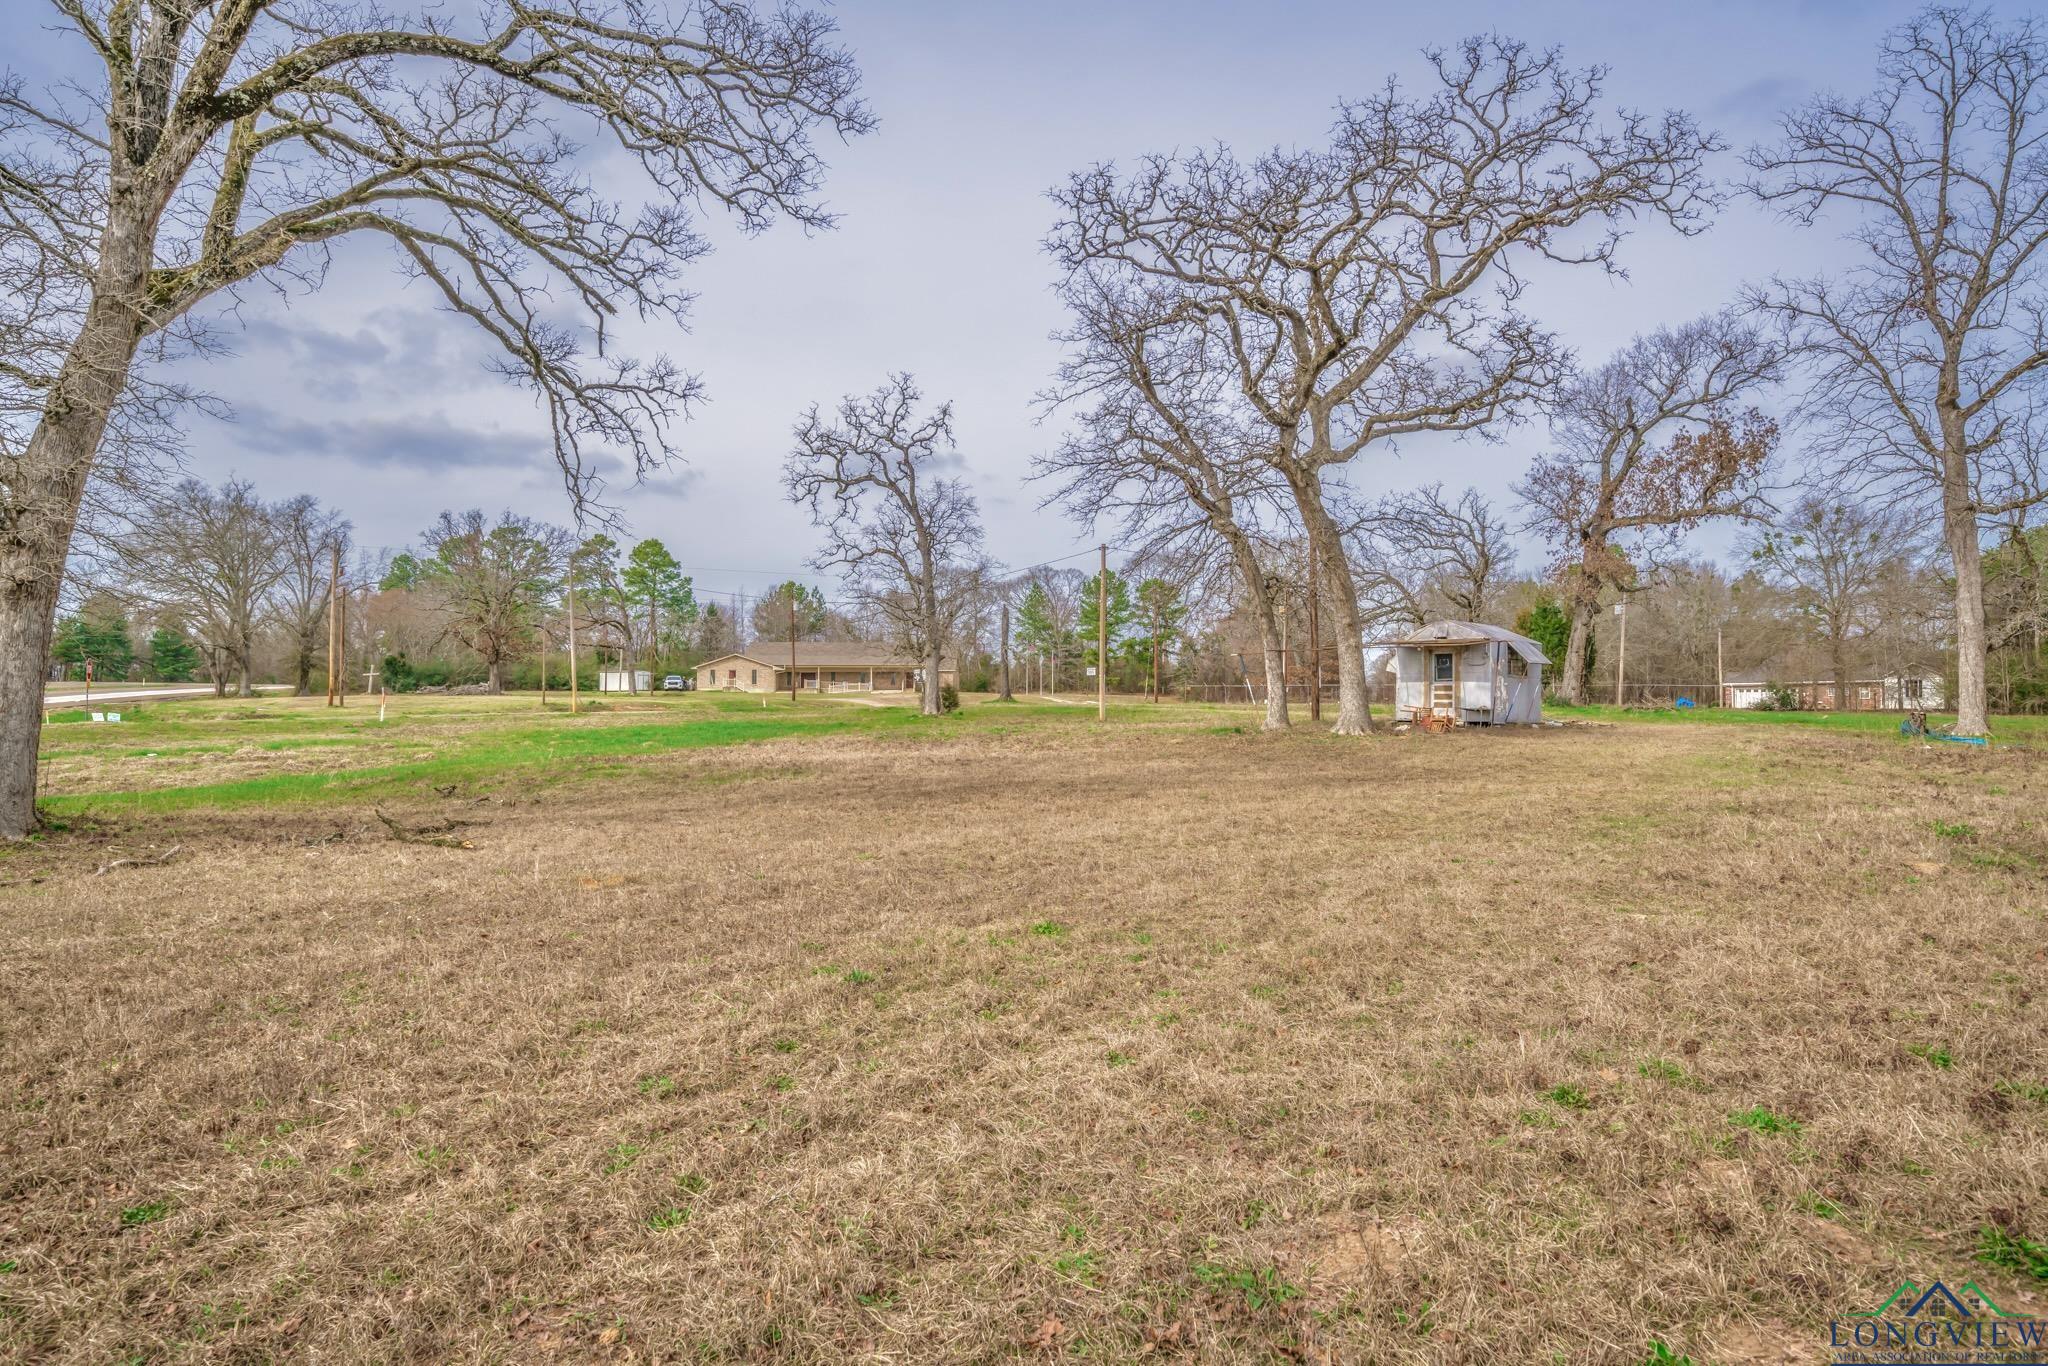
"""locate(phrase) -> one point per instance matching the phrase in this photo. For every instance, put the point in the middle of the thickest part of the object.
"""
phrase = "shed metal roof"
(1472, 633)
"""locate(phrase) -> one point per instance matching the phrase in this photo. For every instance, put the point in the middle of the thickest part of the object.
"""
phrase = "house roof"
(1472, 633)
(827, 654)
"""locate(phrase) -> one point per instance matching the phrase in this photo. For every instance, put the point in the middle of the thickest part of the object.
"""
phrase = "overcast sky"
(369, 398)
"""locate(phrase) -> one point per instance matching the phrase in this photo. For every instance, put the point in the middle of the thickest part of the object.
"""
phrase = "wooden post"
(573, 687)
(1102, 637)
(792, 652)
(543, 664)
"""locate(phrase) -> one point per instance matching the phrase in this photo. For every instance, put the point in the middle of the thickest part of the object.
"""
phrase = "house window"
(1443, 668)
(1912, 690)
(1518, 667)
(753, 675)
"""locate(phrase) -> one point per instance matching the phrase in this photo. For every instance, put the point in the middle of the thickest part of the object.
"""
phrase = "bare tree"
(896, 526)
(1165, 443)
(1926, 356)
(1351, 281)
(1452, 552)
(1829, 559)
(308, 537)
(228, 140)
(1648, 446)
(213, 555)
(492, 581)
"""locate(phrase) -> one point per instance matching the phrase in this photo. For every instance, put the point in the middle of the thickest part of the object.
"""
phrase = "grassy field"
(693, 1029)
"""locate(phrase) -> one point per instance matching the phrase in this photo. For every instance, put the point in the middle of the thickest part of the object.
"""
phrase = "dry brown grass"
(1288, 1018)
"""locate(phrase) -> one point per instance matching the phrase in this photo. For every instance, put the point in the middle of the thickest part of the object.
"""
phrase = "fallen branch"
(426, 834)
(152, 861)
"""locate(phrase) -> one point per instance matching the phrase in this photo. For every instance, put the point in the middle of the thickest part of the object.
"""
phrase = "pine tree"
(1121, 613)
(172, 657)
(656, 587)
(1162, 613)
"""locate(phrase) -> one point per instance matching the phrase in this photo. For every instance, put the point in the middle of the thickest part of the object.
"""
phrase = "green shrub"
(1778, 697)
(949, 697)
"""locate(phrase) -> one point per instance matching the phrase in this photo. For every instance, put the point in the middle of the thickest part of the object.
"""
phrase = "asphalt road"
(73, 694)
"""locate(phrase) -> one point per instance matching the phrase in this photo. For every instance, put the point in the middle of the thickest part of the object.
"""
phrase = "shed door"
(1443, 683)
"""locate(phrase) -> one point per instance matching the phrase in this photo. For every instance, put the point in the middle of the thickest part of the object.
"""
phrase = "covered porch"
(847, 680)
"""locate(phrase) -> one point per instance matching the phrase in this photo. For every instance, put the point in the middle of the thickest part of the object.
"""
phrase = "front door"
(1443, 683)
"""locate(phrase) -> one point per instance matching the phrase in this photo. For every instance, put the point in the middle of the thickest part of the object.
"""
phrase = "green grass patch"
(135, 1216)
(2011, 1252)
(1760, 1120)
(1261, 1287)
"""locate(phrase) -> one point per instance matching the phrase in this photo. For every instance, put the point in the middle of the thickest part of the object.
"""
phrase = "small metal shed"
(1469, 672)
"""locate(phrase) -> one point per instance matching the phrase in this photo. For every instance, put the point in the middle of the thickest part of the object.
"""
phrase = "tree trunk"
(1269, 635)
(1959, 528)
(42, 509)
(1838, 662)
(1572, 679)
(496, 681)
(1354, 714)
(931, 680)
(28, 608)
(302, 685)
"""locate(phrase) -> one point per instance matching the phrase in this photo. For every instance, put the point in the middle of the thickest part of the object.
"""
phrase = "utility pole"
(1720, 668)
(1315, 643)
(543, 664)
(1006, 652)
(792, 652)
(1102, 637)
(1621, 651)
(334, 624)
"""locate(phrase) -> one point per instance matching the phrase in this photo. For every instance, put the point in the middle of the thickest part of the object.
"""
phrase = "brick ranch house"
(1909, 689)
(821, 666)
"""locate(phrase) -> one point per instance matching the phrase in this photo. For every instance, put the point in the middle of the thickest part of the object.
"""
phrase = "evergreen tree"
(98, 634)
(660, 595)
(771, 613)
(406, 573)
(1161, 613)
(172, 657)
(1121, 613)
(1550, 625)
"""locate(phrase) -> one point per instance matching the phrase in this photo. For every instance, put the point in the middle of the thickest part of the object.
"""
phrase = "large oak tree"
(1367, 287)
(1926, 354)
(225, 140)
